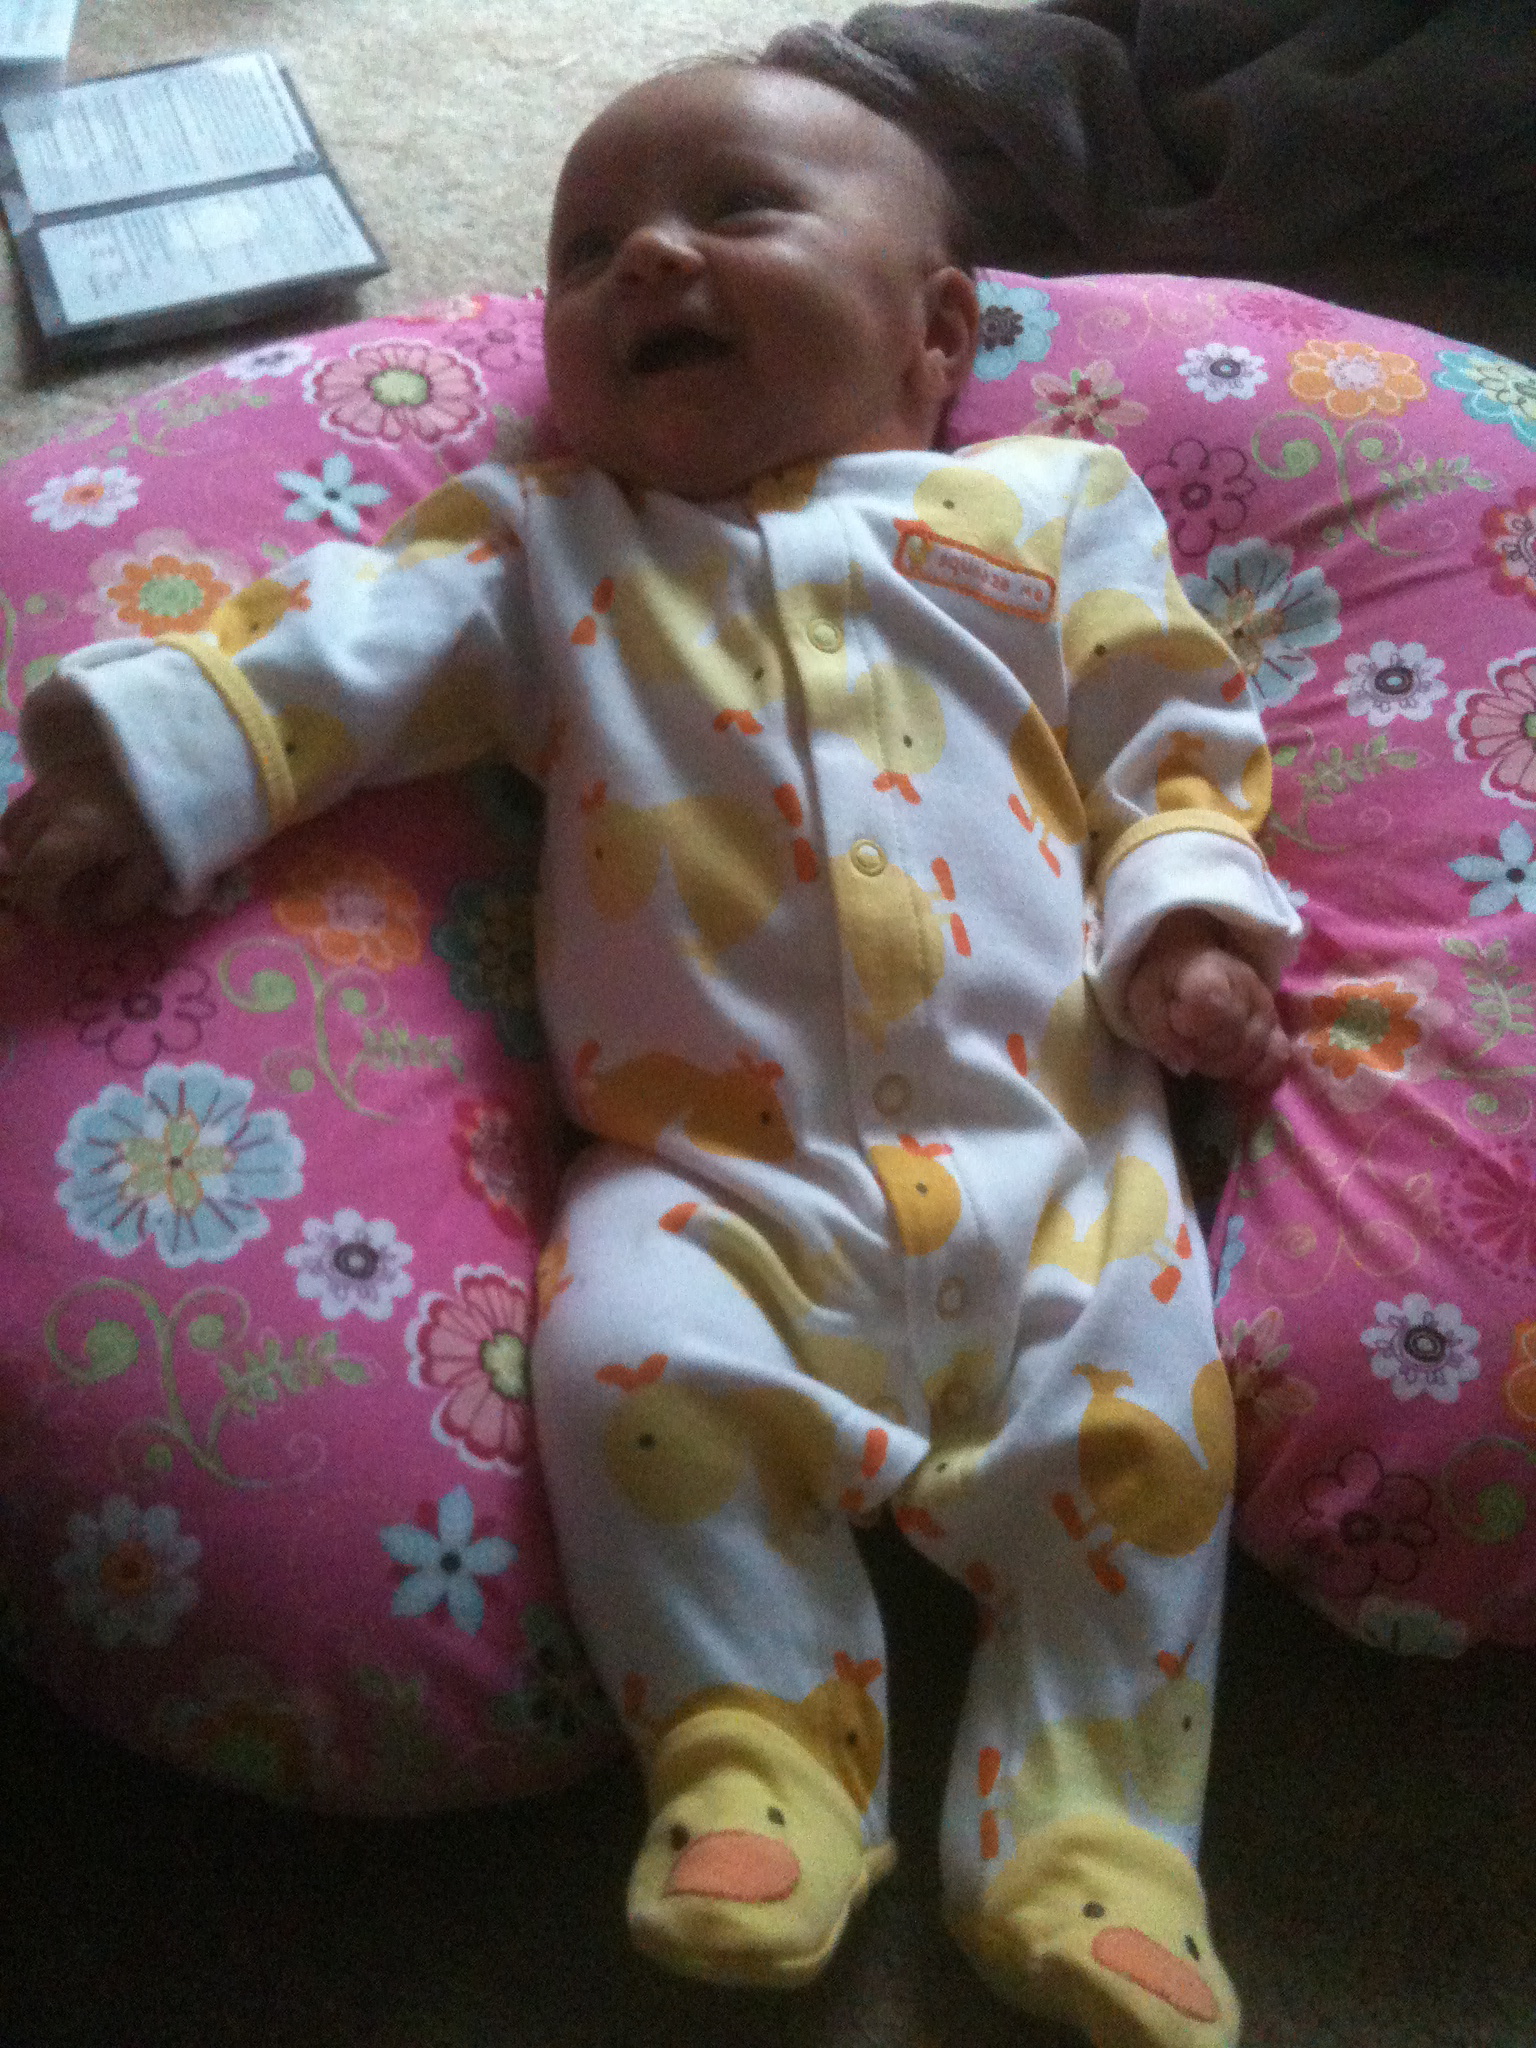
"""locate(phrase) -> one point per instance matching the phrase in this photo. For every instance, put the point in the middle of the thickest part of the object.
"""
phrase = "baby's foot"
(1102, 1924)
(754, 1857)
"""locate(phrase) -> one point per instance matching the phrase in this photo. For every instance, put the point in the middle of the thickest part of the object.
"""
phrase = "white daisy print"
(350, 1264)
(86, 497)
(1422, 1350)
(1391, 682)
(1222, 369)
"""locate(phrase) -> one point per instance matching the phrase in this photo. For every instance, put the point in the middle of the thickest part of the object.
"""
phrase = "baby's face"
(747, 270)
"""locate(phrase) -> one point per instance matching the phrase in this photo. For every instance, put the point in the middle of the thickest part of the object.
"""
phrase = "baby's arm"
(1165, 743)
(159, 764)
(1200, 1008)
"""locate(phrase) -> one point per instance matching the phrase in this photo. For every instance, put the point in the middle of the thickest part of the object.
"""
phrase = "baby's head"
(748, 269)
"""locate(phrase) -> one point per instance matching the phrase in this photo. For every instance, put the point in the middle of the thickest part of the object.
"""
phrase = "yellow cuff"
(1171, 821)
(256, 723)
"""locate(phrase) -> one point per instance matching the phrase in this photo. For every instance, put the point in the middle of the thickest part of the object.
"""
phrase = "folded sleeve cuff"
(1189, 870)
(181, 748)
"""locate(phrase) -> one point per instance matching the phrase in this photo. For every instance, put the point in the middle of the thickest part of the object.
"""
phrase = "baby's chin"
(711, 475)
(707, 475)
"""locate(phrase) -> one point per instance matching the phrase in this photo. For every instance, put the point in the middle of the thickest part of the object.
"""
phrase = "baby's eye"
(747, 199)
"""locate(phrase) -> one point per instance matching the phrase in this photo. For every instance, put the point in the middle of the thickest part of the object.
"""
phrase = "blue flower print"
(11, 769)
(1267, 613)
(446, 1566)
(1491, 388)
(186, 1165)
(331, 495)
(1016, 327)
(1509, 879)
(1232, 1250)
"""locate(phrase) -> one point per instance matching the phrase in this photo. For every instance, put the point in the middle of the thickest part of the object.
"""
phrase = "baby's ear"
(954, 322)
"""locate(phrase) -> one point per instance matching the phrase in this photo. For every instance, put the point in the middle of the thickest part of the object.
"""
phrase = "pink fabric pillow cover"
(280, 1521)
(273, 1179)
(1353, 502)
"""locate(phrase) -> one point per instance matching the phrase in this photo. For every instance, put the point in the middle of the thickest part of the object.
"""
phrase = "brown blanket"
(1378, 151)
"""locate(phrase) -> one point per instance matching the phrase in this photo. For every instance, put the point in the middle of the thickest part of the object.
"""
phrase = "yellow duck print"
(668, 634)
(837, 1721)
(730, 865)
(1182, 783)
(1048, 799)
(923, 1195)
(735, 1114)
(448, 522)
(971, 506)
(893, 716)
(1144, 1484)
(1157, 1756)
(677, 1454)
(892, 933)
(1080, 1065)
(252, 613)
(1104, 627)
(744, 1253)
(318, 750)
(965, 538)
(1132, 1223)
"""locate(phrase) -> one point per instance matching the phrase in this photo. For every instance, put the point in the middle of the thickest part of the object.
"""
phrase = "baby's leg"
(1088, 1514)
(698, 1478)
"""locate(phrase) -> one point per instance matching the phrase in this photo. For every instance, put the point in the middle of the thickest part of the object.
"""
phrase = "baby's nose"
(657, 250)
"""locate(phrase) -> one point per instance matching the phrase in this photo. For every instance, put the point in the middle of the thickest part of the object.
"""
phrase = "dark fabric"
(1298, 141)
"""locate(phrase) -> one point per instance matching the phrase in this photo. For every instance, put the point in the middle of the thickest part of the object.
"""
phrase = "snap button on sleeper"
(951, 1297)
(867, 857)
(825, 635)
(893, 1094)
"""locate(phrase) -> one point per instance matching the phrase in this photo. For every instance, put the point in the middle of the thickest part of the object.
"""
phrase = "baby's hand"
(1201, 1008)
(75, 850)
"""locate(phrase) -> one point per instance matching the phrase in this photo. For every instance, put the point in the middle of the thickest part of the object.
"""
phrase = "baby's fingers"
(1224, 1016)
(73, 863)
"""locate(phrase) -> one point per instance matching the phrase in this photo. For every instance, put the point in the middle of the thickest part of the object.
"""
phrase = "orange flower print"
(167, 595)
(1362, 1024)
(1352, 379)
(350, 909)
(166, 582)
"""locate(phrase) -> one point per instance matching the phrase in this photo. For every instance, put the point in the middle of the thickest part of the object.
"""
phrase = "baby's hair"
(955, 223)
(959, 237)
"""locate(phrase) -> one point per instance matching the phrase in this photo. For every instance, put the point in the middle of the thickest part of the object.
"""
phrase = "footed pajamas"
(863, 796)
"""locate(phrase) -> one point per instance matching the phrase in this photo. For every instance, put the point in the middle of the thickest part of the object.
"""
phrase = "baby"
(899, 818)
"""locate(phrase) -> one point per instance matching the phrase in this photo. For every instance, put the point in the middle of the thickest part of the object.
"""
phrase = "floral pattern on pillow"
(273, 1179)
(1353, 503)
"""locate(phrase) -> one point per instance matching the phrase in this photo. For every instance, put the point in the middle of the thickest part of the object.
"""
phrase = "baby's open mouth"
(675, 348)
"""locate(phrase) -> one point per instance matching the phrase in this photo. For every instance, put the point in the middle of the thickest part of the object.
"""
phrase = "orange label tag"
(927, 557)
